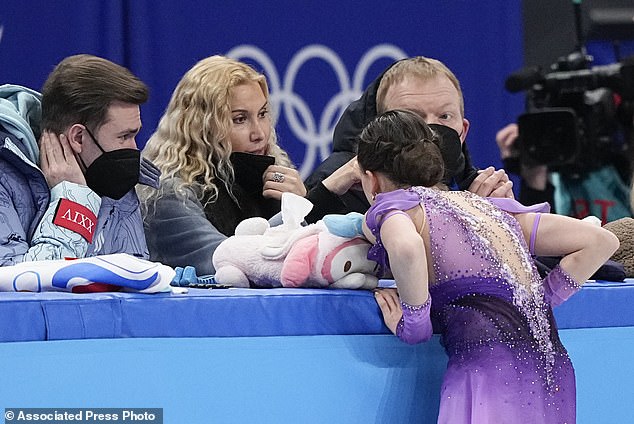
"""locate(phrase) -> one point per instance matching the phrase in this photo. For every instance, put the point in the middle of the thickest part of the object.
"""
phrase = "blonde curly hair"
(192, 139)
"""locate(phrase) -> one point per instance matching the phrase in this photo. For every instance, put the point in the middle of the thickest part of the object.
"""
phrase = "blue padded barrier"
(249, 313)
(198, 356)
(599, 304)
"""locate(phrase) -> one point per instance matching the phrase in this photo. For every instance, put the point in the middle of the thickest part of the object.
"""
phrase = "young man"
(73, 195)
(427, 87)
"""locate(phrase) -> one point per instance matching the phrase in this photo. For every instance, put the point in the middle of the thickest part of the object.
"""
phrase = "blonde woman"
(220, 163)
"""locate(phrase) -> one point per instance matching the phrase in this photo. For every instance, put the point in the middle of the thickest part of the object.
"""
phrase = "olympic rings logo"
(316, 135)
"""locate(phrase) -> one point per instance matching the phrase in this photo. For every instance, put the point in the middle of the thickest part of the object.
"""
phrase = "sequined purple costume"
(506, 362)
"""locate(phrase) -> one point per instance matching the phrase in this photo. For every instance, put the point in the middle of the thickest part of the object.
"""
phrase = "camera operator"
(534, 185)
(572, 146)
(602, 192)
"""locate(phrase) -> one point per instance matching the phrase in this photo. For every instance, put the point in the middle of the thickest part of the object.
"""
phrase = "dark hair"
(81, 88)
(399, 144)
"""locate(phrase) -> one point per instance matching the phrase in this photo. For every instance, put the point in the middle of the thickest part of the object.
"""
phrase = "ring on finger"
(278, 177)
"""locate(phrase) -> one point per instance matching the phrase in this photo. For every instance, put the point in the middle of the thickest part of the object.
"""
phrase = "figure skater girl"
(463, 268)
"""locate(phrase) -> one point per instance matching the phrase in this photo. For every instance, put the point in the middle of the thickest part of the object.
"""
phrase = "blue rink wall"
(303, 379)
(273, 355)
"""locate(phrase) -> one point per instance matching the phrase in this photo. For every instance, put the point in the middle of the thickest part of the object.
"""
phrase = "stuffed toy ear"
(279, 243)
(298, 264)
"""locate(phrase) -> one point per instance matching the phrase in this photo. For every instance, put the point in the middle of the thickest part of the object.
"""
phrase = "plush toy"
(292, 255)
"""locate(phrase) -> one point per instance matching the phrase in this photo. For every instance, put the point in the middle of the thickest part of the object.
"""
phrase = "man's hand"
(505, 139)
(346, 177)
(536, 177)
(390, 305)
(280, 179)
(57, 161)
(492, 183)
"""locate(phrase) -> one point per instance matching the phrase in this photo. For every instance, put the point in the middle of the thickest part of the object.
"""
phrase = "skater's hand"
(390, 305)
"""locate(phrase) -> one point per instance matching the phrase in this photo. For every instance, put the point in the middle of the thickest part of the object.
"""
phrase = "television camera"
(578, 116)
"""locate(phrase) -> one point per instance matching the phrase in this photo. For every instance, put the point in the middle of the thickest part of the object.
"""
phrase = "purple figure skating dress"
(492, 310)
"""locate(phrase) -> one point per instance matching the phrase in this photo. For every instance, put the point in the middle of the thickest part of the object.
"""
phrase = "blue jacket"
(27, 205)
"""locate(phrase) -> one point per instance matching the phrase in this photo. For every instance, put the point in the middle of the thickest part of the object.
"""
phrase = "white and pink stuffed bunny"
(292, 255)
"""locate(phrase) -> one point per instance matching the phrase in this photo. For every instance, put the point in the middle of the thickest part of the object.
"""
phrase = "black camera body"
(577, 117)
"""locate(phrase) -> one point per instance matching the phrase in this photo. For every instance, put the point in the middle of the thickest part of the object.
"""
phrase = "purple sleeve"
(385, 204)
(513, 206)
(415, 325)
(559, 286)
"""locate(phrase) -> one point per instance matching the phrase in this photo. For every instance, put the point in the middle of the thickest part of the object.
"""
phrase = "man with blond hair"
(427, 87)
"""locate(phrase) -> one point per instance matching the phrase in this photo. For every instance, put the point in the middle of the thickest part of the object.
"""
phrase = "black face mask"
(114, 173)
(451, 150)
(248, 170)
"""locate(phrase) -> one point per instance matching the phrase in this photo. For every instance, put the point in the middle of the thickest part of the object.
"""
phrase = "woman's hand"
(347, 177)
(280, 179)
(390, 305)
